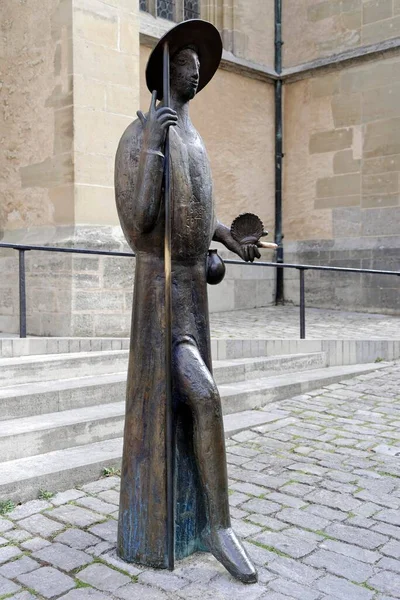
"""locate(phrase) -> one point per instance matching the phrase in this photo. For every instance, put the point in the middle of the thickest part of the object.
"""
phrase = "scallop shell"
(247, 229)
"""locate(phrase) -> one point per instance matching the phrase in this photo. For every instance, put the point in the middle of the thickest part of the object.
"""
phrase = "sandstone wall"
(70, 295)
(73, 78)
(106, 98)
(342, 194)
(36, 166)
(254, 24)
(70, 89)
(313, 29)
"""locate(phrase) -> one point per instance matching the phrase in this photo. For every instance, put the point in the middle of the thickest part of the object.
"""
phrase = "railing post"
(302, 306)
(22, 295)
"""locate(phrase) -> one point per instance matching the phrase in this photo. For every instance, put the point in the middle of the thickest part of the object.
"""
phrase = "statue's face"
(185, 73)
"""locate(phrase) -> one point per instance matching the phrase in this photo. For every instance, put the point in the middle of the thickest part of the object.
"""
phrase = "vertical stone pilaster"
(106, 97)
(247, 28)
(221, 14)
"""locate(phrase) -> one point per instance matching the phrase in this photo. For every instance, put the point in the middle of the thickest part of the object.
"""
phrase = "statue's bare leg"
(198, 390)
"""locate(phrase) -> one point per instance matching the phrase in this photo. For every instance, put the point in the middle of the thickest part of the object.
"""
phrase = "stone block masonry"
(78, 91)
(91, 296)
(347, 291)
(341, 180)
(69, 294)
(325, 27)
(82, 77)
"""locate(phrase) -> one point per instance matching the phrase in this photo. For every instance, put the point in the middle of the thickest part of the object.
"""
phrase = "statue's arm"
(247, 252)
(139, 168)
(223, 235)
(147, 196)
(147, 189)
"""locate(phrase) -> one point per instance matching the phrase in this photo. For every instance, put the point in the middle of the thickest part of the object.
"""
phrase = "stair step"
(28, 369)
(41, 397)
(38, 346)
(254, 394)
(45, 433)
(21, 479)
(227, 371)
(48, 432)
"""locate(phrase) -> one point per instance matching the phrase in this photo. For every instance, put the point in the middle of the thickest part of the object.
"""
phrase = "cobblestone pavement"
(282, 322)
(315, 496)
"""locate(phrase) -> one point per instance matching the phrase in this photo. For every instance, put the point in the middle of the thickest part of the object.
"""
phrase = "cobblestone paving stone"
(282, 322)
(314, 495)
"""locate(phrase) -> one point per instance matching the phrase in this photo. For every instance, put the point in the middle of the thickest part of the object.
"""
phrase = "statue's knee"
(195, 380)
(185, 354)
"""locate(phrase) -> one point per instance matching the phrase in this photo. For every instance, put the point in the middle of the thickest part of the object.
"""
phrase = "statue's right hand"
(156, 124)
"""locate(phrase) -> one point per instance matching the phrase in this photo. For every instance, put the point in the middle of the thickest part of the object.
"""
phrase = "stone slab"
(47, 581)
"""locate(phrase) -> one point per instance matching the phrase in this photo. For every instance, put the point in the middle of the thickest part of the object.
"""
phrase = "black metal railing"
(22, 248)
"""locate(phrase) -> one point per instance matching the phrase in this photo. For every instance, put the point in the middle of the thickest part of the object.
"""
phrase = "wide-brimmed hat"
(195, 32)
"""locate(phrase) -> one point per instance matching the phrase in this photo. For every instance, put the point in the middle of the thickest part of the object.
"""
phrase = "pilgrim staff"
(170, 424)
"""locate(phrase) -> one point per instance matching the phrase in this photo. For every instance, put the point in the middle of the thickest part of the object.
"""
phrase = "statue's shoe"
(228, 550)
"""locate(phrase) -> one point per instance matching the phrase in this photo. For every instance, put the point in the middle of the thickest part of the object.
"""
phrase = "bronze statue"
(202, 520)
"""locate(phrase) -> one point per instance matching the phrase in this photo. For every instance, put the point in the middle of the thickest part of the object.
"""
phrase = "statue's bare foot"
(228, 550)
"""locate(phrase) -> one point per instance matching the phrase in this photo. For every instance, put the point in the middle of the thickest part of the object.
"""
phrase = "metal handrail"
(22, 248)
(313, 267)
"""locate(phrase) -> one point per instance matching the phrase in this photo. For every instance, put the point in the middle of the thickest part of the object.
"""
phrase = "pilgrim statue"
(201, 508)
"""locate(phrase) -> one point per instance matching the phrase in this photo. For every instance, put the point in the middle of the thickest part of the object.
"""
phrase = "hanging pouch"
(215, 268)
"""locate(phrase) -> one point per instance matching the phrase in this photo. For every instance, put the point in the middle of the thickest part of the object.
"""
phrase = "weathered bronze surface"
(202, 520)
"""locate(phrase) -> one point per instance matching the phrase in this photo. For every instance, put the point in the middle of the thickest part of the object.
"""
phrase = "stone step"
(244, 369)
(29, 399)
(17, 347)
(338, 352)
(26, 369)
(45, 433)
(59, 430)
(21, 479)
(44, 397)
(246, 395)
